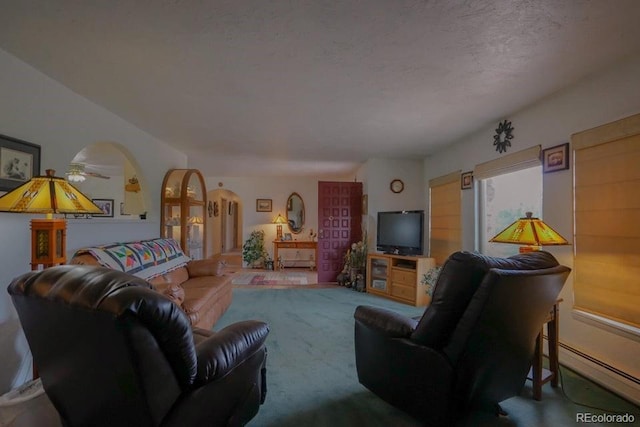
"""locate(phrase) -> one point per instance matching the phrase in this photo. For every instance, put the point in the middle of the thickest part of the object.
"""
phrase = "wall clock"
(397, 186)
(502, 138)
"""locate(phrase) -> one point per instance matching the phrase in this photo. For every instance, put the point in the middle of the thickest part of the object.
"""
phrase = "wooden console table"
(295, 244)
(538, 375)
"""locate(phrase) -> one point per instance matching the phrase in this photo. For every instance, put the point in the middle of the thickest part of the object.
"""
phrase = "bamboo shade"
(607, 223)
(508, 163)
(445, 231)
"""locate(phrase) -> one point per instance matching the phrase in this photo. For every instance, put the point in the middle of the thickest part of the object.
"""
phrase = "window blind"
(607, 221)
(509, 163)
(445, 235)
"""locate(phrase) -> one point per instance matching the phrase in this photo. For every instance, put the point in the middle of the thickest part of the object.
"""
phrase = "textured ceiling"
(281, 87)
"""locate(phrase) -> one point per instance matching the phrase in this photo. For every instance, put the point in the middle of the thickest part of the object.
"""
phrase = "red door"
(339, 223)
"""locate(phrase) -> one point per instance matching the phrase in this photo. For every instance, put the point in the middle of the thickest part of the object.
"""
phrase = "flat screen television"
(400, 232)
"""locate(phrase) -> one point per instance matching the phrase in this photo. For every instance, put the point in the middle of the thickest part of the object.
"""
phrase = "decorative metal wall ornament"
(502, 138)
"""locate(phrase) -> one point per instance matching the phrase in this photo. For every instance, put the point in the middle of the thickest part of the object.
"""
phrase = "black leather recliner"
(111, 351)
(472, 348)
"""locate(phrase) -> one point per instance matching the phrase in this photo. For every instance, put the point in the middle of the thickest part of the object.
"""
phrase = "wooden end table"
(538, 375)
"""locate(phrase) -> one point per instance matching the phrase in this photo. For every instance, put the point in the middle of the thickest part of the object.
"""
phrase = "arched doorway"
(108, 170)
(225, 227)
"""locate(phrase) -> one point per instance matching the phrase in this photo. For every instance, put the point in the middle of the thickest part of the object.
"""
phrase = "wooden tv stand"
(398, 277)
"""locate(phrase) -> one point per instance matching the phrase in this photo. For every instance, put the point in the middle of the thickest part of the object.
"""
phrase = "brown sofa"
(200, 287)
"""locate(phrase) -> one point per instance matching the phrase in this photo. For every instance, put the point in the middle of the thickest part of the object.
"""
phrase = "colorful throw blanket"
(146, 258)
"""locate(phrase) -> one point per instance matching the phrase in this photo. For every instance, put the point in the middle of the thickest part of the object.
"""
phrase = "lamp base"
(48, 242)
(530, 248)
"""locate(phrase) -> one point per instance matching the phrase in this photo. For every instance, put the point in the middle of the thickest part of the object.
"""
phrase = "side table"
(538, 375)
(295, 244)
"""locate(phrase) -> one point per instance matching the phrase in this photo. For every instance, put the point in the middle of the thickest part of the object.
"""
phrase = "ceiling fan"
(77, 173)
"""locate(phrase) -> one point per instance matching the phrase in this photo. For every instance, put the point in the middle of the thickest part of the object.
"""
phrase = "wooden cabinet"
(184, 200)
(398, 277)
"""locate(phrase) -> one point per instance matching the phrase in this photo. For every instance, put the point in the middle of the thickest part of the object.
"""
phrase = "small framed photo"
(466, 180)
(287, 236)
(106, 205)
(263, 205)
(19, 162)
(122, 211)
(555, 158)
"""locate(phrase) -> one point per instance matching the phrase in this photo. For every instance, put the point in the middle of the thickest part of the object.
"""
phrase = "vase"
(360, 283)
(353, 275)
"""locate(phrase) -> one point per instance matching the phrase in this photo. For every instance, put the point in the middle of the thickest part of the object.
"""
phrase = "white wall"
(37, 109)
(377, 175)
(600, 99)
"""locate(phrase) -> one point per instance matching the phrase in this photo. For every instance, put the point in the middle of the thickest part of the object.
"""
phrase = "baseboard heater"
(600, 363)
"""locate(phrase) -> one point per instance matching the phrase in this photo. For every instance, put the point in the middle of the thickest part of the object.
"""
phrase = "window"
(444, 212)
(508, 187)
(504, 199)
(607, 230)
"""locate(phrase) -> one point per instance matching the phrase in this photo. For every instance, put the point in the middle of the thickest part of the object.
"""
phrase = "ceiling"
(256, 87)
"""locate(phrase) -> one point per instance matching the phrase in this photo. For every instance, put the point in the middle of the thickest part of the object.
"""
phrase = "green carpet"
(312, 378)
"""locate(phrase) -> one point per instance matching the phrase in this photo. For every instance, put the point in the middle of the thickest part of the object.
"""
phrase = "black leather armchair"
(111, 351)
(472, 348)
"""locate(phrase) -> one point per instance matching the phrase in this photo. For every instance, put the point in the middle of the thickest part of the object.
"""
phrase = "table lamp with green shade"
(48, 195)
(529, 232)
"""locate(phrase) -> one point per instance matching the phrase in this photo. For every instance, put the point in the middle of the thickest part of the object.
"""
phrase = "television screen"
(400, 232)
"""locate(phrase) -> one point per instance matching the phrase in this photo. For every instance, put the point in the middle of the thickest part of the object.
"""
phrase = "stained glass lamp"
(47, 195)
(530, 232)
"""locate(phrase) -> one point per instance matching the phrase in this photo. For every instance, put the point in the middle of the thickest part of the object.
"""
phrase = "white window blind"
(513, 162)
(499, 202)
(607, 221)
(445, 216)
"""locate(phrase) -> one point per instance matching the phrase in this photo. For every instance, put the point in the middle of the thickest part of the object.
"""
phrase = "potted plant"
(253, 251)
(356, 261)
(430, 278)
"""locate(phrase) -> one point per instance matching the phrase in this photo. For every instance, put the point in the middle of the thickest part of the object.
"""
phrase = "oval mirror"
(295, 213)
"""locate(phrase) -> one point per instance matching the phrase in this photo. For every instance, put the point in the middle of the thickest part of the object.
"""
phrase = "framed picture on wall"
(105, 205)
(263, 205)
(466, 180)
(122, 211)
(19, 162)
(555, 158)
